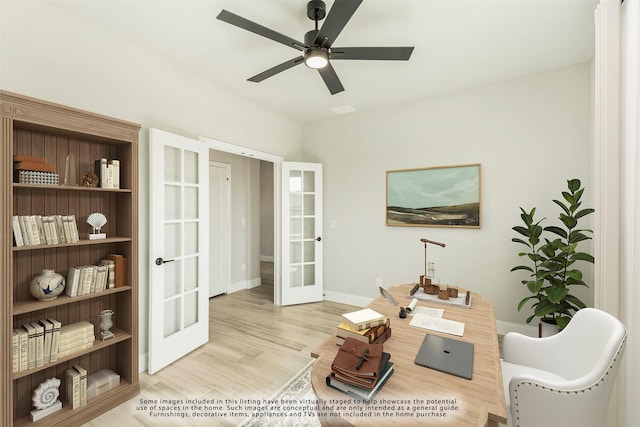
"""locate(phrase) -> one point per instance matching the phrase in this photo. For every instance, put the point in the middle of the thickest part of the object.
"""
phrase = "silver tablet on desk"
(447, 355)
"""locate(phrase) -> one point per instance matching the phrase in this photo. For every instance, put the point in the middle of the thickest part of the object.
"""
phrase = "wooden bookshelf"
(43, 129)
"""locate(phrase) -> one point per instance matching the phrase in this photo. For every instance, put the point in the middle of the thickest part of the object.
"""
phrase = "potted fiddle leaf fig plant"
(552, 252)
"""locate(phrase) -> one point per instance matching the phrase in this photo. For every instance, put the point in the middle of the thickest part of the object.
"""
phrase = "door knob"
(160, 261)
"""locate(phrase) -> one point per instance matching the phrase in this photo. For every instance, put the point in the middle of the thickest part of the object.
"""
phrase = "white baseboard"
(244, 284)
(505, 327)
(350, 299)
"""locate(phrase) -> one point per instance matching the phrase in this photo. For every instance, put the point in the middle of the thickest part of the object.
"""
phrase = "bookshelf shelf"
(112, 397)
(81, 242)
(17, 186)
(29, 306)
(97, 345)
(36, 129)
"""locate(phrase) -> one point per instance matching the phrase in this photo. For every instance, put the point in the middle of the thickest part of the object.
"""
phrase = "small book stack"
(34, 170)
(360, 369)
(35, 344)
(75, 337)
(30, 230)
(364, 325)
(76, 386)
(108, 173)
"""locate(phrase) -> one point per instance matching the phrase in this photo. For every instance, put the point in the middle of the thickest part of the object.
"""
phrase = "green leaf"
(522, 267)
(542, 311)
(573, 184)
(575, 274)
(562, 321)
(569, 221)
(556, 230)
(518, 240)
(577, 236)
(581, 256)
(557, 294)
(522, 230)
(523, 302)
(563, 206)
(583, 212)
(534, 286)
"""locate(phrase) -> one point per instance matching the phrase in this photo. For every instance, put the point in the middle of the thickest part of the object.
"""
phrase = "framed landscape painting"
(445, 196)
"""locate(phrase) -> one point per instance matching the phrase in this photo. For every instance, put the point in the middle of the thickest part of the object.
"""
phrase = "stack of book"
(76, 386)
(360, 369)
(29, 230)
(34, 170)
(364, 325)
(75, 337)
(88, 279)
(108, 173)
(35, 344)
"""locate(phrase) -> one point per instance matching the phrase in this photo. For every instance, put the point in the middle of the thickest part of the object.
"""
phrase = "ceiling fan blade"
(239, 21)
(374, 53)
(340, 13)
(277, 69)
(331, 79)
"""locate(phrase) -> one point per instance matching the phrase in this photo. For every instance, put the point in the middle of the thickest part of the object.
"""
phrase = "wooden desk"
(480, 401)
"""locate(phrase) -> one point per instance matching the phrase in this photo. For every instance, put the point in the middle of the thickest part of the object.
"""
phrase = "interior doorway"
(255, 230)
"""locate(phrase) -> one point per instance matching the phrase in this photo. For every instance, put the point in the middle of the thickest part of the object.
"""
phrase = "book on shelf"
(30, 230)
(345, 330)
(50, 230)
(60, 229)
(48, 331)
(17, 232)
(83, 384)
(114, 173)
(55, 339)
(358, 392)
(15, 351)
(70, 228)
(40, 225)
(39, 337)
(31, 346)
(23, 222)
(20, 350)
(27, 158)
(120, 265)
(101, 169)
(111, 272)
(73, 281)
(73, 388)
(365, 319)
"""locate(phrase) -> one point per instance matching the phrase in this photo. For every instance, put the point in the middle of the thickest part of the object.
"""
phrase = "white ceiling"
(458, 44)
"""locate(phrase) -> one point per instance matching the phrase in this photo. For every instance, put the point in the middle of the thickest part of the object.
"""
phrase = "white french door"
(179, 239)
(301, 233)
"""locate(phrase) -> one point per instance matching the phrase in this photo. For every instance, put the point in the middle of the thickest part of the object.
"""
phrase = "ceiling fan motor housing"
(316, 10)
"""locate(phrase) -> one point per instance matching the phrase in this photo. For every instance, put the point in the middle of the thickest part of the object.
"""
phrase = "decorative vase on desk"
(47, 285)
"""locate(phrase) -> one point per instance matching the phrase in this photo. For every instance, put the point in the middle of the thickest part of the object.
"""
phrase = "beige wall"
(530, 135)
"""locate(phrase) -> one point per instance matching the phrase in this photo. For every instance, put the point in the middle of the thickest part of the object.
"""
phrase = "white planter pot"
(546, 329)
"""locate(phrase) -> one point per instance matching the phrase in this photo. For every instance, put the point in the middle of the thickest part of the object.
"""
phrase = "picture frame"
(441, 196)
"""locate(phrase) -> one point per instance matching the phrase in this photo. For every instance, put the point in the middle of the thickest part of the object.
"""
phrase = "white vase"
(47, 285)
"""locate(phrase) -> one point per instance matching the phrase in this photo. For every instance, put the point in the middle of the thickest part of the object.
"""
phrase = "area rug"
(297, 389)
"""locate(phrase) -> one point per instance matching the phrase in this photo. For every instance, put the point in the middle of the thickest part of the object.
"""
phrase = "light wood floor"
(254, 349)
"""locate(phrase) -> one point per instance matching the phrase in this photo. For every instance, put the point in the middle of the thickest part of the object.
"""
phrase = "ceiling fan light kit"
(316, 58)
(317, 49)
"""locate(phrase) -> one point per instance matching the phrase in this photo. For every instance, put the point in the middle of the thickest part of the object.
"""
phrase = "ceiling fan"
(318, 50)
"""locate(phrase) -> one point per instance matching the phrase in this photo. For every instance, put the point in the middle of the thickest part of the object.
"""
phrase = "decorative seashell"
(46, 394)
(97, 220)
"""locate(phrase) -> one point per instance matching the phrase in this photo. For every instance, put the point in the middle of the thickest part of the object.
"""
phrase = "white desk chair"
(565, 379)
